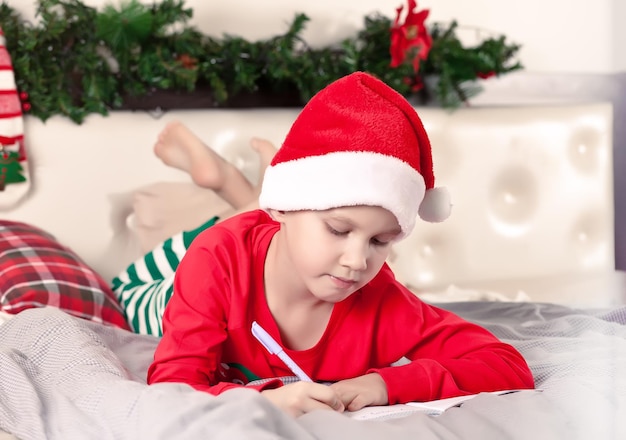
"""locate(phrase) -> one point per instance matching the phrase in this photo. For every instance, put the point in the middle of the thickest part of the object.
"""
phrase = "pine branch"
(76, 60)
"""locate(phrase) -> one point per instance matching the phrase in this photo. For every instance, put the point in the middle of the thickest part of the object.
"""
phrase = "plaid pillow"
(37, 271)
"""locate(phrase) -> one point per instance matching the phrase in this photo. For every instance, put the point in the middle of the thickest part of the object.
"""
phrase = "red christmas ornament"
(25, 104)
(485, 75)
(187, 61)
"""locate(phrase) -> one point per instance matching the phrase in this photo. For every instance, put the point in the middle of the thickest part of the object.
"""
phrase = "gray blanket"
(66, 378)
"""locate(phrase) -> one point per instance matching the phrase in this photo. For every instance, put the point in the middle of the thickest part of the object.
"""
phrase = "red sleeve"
(195, 319)
(448, 356)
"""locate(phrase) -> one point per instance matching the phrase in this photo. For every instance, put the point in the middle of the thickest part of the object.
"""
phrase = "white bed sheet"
(4, 317)
(78, 379)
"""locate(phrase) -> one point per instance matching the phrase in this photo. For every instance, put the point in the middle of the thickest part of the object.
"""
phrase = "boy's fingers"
(327, 396)
(314, 404)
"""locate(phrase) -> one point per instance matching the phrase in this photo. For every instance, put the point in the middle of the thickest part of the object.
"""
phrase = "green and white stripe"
(144, 288)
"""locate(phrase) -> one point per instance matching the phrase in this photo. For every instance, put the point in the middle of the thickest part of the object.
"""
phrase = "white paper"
(433, 408)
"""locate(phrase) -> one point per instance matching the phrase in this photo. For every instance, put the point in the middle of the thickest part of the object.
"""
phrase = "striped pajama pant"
(145, 286)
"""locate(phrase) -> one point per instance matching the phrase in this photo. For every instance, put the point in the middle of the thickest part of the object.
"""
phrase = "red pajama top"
(218, 293)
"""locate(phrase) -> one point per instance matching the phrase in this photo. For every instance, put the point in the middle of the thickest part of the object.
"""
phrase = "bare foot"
(178, 147)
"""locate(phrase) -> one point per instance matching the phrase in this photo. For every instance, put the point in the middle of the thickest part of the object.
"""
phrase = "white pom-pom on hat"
(436, 205)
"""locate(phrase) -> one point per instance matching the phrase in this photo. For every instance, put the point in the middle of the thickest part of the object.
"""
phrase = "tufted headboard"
(533, 195)
(531, 187)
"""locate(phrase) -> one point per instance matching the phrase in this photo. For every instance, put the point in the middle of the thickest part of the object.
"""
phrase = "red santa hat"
(357, 142)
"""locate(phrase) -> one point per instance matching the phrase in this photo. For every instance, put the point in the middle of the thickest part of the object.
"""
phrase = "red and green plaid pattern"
(37, 271)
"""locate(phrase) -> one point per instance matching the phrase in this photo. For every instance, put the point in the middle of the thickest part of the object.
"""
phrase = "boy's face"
(333, 253)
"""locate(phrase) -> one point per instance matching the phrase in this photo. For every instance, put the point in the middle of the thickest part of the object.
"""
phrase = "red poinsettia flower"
(411, 38)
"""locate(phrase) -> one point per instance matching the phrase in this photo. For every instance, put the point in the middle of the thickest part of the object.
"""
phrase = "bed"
(528, 253)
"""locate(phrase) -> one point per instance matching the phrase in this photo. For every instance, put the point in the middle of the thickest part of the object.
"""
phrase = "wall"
(619, 35)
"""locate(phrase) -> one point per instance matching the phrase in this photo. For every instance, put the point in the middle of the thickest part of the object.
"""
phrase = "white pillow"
(163, 209)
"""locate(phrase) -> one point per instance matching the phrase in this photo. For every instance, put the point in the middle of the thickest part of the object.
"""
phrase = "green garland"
(77, 60)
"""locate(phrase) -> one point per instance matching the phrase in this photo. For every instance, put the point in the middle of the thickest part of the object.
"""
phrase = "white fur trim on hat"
(436, 206)
(348, 178)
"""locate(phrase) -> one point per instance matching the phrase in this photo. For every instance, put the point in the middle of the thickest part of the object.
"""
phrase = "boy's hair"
(357, 142)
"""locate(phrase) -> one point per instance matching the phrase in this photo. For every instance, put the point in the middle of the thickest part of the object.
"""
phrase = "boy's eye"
(377, 242)
(335, 231)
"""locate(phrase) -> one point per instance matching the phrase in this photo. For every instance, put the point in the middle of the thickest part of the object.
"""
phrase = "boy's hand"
(361, 391)
(303, 397)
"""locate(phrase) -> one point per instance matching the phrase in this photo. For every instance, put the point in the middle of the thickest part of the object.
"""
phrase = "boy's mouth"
(343, 282)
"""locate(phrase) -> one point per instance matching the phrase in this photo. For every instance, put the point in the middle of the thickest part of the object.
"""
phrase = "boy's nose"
(355, 257)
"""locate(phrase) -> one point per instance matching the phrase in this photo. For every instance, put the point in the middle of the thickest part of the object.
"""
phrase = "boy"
(351, 177)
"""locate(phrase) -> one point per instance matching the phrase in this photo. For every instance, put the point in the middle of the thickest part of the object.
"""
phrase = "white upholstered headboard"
(531, 186)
